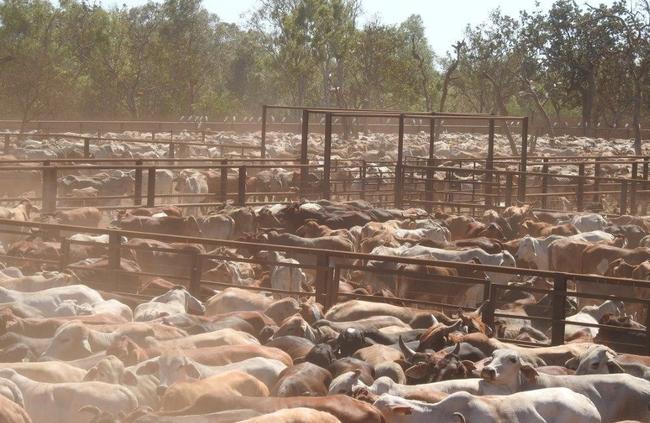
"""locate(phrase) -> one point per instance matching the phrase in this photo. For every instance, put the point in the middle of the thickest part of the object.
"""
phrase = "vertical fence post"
(86, 148)
(172, 150)
(545, 177)
(65, 254)
(49, 187)
(151, 186)
(647, 326)
(327, 156)
(114, 251)
(7, 143)
(398, 165)
(645, 186)
(223, 182)
(263, 144)
(362, 177)
(322, 276)
(428, 186)
(580, 189)
(195, 274)
(597, 175)
(633, 188)
(559, 311)
(488, 310)
(508, 202)
(137, 191)
(241, 189)
(432, 136)
(623, 200)
(489, 166)
(304, 147)
(524, 160)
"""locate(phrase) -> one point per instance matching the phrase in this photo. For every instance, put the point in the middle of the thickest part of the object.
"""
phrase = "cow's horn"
(408, 352)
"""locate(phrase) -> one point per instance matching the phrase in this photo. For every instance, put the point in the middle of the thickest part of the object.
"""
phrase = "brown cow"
(346, 409)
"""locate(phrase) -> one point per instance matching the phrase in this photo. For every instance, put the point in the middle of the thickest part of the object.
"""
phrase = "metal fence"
(329, 267)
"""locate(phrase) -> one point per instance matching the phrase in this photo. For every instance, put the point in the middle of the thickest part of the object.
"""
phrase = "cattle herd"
(403, 336)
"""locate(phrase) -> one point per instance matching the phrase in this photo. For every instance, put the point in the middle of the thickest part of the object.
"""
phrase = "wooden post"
(645, 186)
(172, 152)
(623, 200)
(151, 186)
(580, 189)
(332, 291)
(263, 144)
(223, 182)
(195, 274)
(49, 188)
(7, 143)
(489, 166)
(137, 192)
(524, 160)
(398, 166)
(647, 327)
(559, 311)
(327, 156)
(241, 190)
(86, 148)
(544, 183)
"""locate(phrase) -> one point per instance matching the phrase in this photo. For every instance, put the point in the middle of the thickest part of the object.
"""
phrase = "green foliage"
(165, 60)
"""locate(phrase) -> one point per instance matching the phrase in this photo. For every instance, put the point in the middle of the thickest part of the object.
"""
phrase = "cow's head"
(504, 368)
(70, 342)
(599, 360)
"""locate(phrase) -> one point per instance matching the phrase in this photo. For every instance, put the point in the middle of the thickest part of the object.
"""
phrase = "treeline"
(173, 59)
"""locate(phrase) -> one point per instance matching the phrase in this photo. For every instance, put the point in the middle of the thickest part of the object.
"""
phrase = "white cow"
(61, 402)
(551, 405)
(535, 250)
(587, 222)
(616, 396)
(286, 278)
(174, 366)
(47, 301)
(174, 301)
(592, 314)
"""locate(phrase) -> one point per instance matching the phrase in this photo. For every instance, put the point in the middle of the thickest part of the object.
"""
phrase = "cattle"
(294, 415)
(111, 370)
(346, 409)
(545, 405)
(175, 301)
(183, 395)
(84, 216)
(617, 397)
(602, 360)
(47, 300)
(10, 412)
(173, 366)
(172, 225)
(43, 401)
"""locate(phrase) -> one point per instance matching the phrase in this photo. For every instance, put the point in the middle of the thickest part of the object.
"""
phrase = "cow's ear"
(149, 369)
(128, 378)
(192, 371)
(529, 371)
(401, 409)
(572, 363)
(417, 372)
(92, 373)
(469, 365)
(614, 367)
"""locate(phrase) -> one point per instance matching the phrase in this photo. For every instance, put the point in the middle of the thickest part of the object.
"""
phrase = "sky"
(445, 20)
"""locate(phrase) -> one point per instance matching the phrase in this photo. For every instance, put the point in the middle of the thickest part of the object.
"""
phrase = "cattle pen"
(458, 184)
